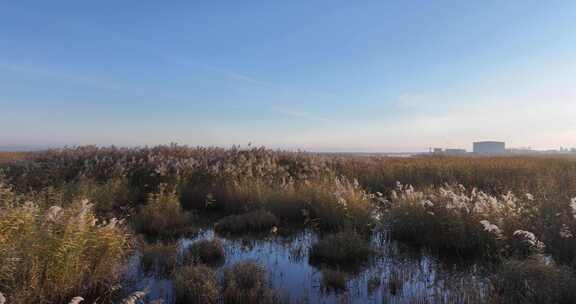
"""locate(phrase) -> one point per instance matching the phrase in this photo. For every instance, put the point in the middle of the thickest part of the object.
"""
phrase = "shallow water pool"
(397, 273)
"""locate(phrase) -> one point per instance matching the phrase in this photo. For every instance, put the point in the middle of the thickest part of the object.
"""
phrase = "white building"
(489, 147)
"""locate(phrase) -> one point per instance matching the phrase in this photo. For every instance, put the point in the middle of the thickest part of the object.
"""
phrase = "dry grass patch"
(246, 283)
(196, 284)
(56, 253)
(159, 257)
(209, 252)
(344, 249)
(254, 221)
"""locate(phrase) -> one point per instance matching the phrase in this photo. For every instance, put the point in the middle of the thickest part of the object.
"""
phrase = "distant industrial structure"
(479, 148)
(455, 151)
(489, 147)
(441, 151)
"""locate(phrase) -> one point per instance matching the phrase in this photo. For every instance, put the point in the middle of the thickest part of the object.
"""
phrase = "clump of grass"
(159, 257)
(245, 283)
(453, 220)
(50, 255)
(373, 283)
(254, 221)
(534, 280)
(558, 229)
(108, 197)
(337, 203)
(162, 216)
(196, 284)
(206, 251)
(334, 280)
(342, 249)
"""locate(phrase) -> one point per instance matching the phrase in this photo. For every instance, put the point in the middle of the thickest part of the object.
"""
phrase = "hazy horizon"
(324, 76)
(31, 148)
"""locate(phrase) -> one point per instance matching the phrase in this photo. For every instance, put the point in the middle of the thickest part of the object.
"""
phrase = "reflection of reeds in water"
(159, 258)
(298, 253)
(413, 281)
(342, 249)
(246, 283)
(334, 280)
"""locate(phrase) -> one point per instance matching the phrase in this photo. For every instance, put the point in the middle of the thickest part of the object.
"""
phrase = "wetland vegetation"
(210, 225)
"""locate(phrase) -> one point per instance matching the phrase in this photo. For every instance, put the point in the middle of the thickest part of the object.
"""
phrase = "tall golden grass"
(540, 175)
(52, 254)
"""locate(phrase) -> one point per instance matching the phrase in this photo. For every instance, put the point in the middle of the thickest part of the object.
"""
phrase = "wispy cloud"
(300, 115)
(243, 77)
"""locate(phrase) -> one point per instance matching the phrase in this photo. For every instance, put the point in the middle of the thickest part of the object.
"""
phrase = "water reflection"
(397, 274)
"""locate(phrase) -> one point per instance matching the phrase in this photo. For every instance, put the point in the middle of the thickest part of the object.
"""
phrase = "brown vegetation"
(159, 257)
(196, 284)
(7, 157)
(341, 249)
(334, 280)
(254, 221)
(534, 280)
(246, 283)
(210, 252)
(162, 216)
(497, 208)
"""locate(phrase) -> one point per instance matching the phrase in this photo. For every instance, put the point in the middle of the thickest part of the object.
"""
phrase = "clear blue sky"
(315, 75)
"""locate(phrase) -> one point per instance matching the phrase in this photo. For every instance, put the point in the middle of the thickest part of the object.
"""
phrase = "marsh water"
(397, 274)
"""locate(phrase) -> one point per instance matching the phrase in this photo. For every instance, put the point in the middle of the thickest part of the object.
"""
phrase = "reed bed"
(471, 222)
(159, 257)
(59, 237)
(196, 284)
(551, 176)
(246, 283)
(341, 250)
(254, 221)
(534, 280)
(209, 252)
(163, 216)
(52, 254)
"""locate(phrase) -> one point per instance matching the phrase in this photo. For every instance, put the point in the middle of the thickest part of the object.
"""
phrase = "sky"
(366, 76)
